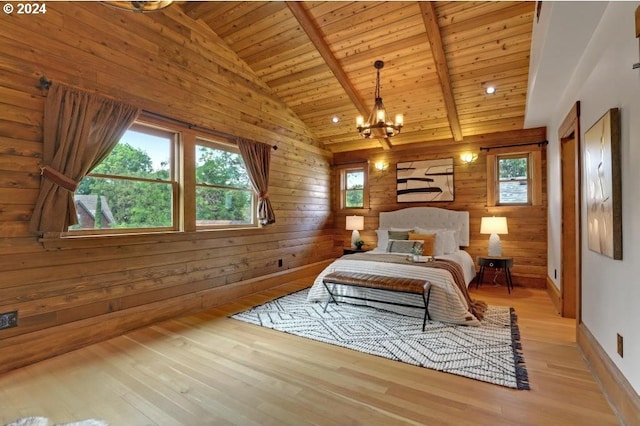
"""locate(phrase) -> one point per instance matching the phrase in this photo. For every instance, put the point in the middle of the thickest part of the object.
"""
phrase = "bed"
(449, 275)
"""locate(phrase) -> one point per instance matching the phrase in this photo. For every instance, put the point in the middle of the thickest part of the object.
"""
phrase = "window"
(353, 187)
(223, 191)
(513, 179)
(163, 177)
(133, 187)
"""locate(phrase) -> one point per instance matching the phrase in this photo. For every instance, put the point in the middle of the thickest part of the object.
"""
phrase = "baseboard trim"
(554, 295)
(50, 342)
(621, 396)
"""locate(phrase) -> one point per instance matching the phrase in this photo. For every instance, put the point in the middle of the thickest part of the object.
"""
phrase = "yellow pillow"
(429, 242)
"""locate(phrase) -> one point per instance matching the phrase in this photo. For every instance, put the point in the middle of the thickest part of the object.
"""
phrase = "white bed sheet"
(446, 304)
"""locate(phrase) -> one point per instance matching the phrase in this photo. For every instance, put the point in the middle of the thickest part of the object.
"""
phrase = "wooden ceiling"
(439, 57)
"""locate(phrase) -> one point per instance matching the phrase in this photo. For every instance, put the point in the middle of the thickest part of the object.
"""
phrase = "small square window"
(513, 179)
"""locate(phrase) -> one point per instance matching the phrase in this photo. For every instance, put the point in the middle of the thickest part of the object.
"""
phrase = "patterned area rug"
(490, 353)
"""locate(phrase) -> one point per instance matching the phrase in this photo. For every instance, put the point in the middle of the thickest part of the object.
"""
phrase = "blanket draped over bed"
(476, 307)
(450, 299)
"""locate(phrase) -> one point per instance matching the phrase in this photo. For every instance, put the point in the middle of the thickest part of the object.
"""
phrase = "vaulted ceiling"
(439, 58)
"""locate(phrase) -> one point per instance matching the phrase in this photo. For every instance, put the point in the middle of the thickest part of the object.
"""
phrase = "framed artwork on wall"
(603, 186)
(425, 181)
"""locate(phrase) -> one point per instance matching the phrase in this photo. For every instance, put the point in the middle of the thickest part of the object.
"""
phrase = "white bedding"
(461, 257)
(446, 304)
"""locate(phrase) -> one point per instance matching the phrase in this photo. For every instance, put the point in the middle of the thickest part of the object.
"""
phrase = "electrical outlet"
(8, 320)
(620, 345)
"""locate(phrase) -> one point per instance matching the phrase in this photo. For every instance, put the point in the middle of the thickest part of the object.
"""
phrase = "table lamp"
(494, 226)
(355, 224)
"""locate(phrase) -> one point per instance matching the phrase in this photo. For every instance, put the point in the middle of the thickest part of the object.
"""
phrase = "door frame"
(571, 274)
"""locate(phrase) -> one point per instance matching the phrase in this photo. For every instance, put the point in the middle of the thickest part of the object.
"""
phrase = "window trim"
(154, 129)
(534, 179)
(229, 147)
(341, 175)
(183, 181)
(499, 181)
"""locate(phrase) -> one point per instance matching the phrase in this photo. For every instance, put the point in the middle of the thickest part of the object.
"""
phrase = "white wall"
(604, 79)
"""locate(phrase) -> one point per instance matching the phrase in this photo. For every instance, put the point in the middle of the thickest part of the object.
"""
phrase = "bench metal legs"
(426, 308)
(426, 295)
(333, 287)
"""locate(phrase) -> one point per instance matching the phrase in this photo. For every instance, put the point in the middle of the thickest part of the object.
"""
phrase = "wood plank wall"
(527, 238)
(82, 291)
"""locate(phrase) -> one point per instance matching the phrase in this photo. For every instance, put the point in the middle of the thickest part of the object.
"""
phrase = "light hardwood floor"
(207, 369)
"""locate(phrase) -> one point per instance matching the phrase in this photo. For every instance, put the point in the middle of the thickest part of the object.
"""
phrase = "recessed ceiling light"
(335, 119)
(490, 90)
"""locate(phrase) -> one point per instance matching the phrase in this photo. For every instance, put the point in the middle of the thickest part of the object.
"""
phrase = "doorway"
(570, 286)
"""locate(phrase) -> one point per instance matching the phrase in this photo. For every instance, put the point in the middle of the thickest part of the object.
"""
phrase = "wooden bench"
(378, 282)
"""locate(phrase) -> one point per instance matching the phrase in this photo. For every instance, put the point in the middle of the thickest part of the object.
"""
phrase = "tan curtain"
(80, 129)
(257, 158)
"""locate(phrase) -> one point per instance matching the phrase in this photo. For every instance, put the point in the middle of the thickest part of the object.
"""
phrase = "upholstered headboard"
(428, 217)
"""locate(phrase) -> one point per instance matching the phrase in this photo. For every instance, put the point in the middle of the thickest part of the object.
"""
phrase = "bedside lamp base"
(355, 236)
(495, 246)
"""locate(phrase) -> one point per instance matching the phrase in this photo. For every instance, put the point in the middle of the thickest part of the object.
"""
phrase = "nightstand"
(497, 263)
(348, 250)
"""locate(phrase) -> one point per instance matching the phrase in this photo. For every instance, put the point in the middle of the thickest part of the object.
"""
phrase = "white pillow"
(456, 234)
(428, 230)
(450, 243)
(446, 242)
(383, 238)
(401, 229)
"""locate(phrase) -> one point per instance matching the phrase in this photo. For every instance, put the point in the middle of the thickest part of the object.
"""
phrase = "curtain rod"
(347, 163)
(44, 83)
(489, 148)
(195, 127)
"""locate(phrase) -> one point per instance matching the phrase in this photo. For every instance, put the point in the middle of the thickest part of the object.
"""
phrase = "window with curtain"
(224, 197)
(134, 187)
(162, 177)
(513, 179)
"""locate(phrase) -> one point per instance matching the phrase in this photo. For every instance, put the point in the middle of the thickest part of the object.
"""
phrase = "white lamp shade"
(494, 225)
(355, 223)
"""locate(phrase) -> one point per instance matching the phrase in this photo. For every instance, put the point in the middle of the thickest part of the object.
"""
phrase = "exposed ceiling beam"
(437, 50)
(309, 26)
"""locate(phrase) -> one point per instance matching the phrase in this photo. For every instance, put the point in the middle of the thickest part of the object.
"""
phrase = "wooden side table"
(497, 263)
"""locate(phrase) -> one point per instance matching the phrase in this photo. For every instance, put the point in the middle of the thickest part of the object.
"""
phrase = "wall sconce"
(468, 157)
(380, 166)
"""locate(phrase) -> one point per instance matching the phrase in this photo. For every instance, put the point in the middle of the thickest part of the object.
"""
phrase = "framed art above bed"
(424, 181)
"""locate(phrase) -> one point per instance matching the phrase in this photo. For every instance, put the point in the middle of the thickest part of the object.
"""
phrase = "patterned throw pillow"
(428, 242)
(403, 246)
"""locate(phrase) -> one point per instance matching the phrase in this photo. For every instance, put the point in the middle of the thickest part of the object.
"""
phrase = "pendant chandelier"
(378, 118)
(140, 6)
